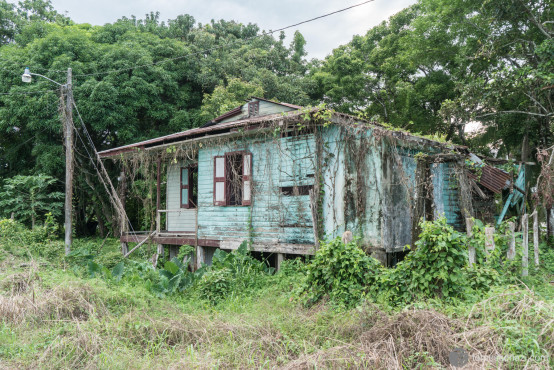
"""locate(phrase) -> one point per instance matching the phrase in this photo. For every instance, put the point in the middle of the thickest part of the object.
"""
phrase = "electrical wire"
(27, 92)
(113, 194)
(264, 33)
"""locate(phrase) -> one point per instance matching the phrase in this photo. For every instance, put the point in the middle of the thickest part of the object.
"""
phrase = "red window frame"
(187, 186)
(220, 179)
(223, 179)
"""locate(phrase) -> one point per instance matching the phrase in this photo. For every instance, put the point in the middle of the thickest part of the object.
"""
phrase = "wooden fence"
(511, 236)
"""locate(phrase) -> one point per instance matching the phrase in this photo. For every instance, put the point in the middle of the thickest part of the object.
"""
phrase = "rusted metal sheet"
(492, 178)
(231, 113)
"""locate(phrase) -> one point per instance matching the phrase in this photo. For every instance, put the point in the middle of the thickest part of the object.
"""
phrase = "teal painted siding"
(272, 217)
(446, 194)
(367, 186)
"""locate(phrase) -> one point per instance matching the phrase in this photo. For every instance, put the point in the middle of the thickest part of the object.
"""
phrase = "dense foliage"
(433, 68)
(94, 307)
(132, 80)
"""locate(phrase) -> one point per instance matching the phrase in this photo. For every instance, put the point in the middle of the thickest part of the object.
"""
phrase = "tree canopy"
(433, 68)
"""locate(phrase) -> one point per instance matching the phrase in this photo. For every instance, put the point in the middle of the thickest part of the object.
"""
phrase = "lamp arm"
(49, 79)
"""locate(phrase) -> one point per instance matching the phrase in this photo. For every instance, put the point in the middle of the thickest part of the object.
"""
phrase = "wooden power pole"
(68, 130)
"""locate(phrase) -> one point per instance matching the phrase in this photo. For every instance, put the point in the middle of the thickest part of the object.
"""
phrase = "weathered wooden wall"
(273, 216)
(185, 219)
(367, 183)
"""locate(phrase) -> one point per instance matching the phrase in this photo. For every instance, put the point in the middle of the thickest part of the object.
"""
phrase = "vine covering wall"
(363, 178)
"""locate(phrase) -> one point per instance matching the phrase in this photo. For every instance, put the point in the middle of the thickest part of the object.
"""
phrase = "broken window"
(233, 179)
(296, 190)
(189, 187)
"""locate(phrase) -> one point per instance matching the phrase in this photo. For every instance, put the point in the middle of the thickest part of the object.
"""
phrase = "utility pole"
(67, 121)
(68, 131)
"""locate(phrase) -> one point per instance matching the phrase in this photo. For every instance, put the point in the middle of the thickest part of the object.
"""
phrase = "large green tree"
(133, 80)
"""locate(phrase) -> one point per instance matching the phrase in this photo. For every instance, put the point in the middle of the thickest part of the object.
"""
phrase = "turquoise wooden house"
(282, 177)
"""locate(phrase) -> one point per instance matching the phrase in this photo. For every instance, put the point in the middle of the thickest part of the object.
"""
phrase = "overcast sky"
(322, 36)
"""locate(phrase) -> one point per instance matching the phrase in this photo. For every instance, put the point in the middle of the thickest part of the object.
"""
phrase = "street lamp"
(67, 120)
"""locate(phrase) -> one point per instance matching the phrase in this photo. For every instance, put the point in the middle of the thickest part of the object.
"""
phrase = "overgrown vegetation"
(340, 309)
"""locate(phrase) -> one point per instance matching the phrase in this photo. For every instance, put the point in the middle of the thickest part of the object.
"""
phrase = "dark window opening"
(394, 257)
(296, 190)
(234, 178)
(189, 187)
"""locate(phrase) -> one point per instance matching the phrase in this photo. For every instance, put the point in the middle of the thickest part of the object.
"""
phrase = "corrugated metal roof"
(231, 113)
(226, 127)
(492, 178)
(192, 133)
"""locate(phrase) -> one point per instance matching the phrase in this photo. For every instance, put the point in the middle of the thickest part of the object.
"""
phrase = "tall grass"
(53, 315)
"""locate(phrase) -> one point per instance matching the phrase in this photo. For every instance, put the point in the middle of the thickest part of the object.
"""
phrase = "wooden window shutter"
(185, 187)
(247, 179)
(219, 181)
(253, 108)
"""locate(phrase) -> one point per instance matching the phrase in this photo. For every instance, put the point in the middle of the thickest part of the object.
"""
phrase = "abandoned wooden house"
(282, 177)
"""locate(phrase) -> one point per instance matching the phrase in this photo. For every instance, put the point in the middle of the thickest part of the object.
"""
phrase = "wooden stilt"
(280, 259)
(124, 248)
(173, 251)
(470, 246)
(200, 257)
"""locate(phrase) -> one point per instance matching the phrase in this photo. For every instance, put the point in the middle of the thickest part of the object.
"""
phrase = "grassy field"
(55, 315)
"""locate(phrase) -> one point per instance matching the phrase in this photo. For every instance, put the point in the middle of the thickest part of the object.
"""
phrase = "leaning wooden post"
(536, 237)
(525, 258)
(511, 254)
(489, 239)
(470, 246)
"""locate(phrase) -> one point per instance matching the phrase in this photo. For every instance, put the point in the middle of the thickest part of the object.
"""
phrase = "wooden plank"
(186, 241)
(536, 237)
(315, 222)
(525, 257)
(470, 246)
(303, 249)
(511, 254)
(139, 244)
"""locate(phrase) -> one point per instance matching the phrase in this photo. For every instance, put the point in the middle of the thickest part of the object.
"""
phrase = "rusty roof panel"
(227, 126)
(492, 178)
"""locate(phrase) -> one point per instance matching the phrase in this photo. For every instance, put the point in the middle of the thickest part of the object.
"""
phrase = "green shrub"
(215, 284)
(342, 271)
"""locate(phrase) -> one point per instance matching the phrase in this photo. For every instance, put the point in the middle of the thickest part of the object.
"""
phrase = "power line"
(102, 171)
(271, 32)
(27, 92)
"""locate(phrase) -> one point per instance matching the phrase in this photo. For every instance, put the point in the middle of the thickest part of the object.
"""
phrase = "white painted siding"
(184, 219)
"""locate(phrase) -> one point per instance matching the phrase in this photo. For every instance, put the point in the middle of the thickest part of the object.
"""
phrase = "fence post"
(536, 237)
(511, 254)
(470, 246)
(525, 258)
(489, 239)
